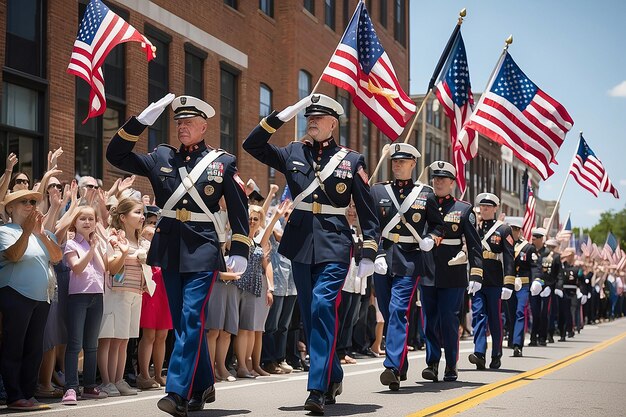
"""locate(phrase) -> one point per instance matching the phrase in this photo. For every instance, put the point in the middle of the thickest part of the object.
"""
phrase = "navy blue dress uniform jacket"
(404, 259)
(571, 278)
(527, 264)
(459, 221)
(186, 246)
(550, 266)
(498, 262)
(318, 238)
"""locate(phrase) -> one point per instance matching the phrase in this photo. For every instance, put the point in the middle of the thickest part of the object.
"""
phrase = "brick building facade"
(244, 57)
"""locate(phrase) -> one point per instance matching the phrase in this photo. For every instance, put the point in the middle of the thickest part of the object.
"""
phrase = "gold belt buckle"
(395, 237)
(316, 208)
(183, 215)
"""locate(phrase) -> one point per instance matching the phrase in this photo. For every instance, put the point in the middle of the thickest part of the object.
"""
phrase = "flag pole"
(442, 60)
(558, 201)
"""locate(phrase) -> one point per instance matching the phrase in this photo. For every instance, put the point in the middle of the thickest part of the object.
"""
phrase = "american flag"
(361, 66)
(529, 215)
(589, 172)
(586, 246)
(100, 31)
(610, 247)
(518, 114)
(455, 95)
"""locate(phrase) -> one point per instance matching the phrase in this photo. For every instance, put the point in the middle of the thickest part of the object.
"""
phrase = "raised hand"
(154, 110)
(126, 183)
(53, 157)
(11, 161)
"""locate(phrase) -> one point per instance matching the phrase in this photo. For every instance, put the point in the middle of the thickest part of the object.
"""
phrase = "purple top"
(91, 280)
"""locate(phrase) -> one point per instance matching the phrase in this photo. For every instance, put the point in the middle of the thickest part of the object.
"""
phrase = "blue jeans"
(84, 316)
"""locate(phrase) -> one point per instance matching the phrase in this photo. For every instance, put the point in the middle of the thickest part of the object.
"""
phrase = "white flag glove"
(289, 112)
(583, 300)
(237, 263)
(366, 268)
(380, 265)
(506, 293)
(518, 283)
(427, 244)
(535, 288)
(579, 293)
(474, 287)
(154, 110)
(559, 293)
(546, 292)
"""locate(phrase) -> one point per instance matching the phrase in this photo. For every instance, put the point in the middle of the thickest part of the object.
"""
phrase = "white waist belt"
(451, 242)
(396, 238)
(317, 208)
(185, 215)
(570, 287)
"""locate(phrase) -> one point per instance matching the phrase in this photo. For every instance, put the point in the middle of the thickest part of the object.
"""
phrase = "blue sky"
(573, 50)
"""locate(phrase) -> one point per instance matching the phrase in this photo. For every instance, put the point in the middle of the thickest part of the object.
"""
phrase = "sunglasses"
(254, 219)
(92, 186)
(57, 186)
(21, 181)
(27, 202)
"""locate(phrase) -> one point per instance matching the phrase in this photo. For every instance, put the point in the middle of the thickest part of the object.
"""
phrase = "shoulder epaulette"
(167, 145)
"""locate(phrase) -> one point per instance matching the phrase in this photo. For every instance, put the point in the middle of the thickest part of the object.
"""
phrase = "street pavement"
(584, 376)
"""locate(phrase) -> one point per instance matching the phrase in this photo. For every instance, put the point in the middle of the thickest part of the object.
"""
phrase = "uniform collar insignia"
(328, 143)
(198, 147)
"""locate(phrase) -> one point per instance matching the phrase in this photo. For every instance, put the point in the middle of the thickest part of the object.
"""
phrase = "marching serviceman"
(323, 177)
(526, 270)
(188, 184)
(540, 301)
(568, 287)
(498, 265)
(409, 220)
(442, 295)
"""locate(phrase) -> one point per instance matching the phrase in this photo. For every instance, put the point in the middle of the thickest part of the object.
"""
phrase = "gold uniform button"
(398, 227)
(315, 196)
(184, 201)
(319, 158)
(401, 195)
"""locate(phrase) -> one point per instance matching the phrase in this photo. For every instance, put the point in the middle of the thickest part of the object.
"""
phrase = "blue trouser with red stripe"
(189, 367)
(394, 294)
(319, 288)
(441, 307)
(520, 315)
(487, 311)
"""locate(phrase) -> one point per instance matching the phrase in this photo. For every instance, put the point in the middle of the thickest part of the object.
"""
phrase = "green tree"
(610, 221)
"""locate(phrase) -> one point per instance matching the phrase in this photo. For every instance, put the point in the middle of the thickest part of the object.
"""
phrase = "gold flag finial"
(509, 40)
(462, 14)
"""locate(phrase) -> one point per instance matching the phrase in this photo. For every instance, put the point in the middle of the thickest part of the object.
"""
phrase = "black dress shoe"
(315, 402)
(517, 352)
(562, 338)
(198, 399)
(335, 389)
(533, 343)
(495, 363)
(390, 378)
(450, 374)
(173, 404)
(431, 372)
(550, 339)
(478, 359)
(403, 377)
(542, 342)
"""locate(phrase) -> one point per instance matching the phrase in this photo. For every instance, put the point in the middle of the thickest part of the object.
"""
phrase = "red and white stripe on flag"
(529, 217)
(589, 171)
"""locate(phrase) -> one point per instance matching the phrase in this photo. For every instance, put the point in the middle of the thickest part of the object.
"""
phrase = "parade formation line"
(479, 395)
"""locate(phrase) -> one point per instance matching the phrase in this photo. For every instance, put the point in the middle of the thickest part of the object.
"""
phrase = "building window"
(346, 13)
(429, 112)
(383, 13)
(399, 17)
(228, 110)
(437, 116)
(329, 13)
(309, 5)
(265, 101)
(194, 69)
(158, 85)
(267, 7)
(344, 120)
(365, 139)
(25, 34)
(304, 89)
(231, 3)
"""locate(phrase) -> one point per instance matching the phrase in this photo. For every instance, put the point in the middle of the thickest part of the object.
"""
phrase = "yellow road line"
(479, 395)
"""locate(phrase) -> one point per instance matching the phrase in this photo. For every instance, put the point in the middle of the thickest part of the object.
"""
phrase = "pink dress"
(155, 310)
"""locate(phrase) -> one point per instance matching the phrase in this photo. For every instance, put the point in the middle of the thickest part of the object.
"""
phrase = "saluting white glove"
(583, 300)
(474, 287)
(506, 293)
(535, 288)
(237, 263)
(289, 112)
(427, 244)
(380, 265)
(559, 293)
(154, 110)
(518, 283)
(366, 268)
(546, 292)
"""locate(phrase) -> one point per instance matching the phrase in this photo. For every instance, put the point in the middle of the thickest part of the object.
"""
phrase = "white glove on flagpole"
(426, 244)
(518, 283)
(535, 288)
(366, 268)
(289, 112)
(506, 293)
(380, 265)
(474, 287)
(237, 263)
(154, 110)
(546, 292)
